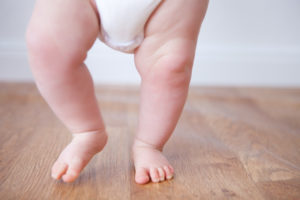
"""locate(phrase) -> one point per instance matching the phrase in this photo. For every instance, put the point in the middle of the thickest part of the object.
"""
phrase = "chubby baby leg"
(164, 61)
(58, 37)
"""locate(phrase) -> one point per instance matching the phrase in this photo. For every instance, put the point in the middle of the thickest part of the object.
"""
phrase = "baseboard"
(219, 65)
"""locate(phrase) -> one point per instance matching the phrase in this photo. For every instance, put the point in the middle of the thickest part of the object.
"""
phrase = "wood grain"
(230, 143)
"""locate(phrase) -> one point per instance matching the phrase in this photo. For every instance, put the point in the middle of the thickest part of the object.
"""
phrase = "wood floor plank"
(268, 150)
(230, 143)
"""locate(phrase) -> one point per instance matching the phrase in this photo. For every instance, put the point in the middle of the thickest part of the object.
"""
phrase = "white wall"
(241, 43)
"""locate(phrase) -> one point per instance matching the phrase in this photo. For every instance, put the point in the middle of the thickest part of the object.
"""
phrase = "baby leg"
(58, 37)
(164, 61)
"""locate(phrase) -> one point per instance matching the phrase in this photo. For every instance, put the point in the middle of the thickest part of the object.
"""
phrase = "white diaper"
(123, 21)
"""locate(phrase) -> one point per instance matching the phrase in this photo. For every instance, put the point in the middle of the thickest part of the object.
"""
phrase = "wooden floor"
(230, 143)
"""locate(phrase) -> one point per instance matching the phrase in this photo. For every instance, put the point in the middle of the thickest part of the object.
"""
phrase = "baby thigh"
(171, 36)
(59, 34)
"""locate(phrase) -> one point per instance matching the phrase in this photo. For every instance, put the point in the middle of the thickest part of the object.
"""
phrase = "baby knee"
(38, 43)
(49, 49)
(174, 69)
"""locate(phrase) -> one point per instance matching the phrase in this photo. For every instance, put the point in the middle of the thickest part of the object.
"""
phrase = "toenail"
(169, 177)
(155, 180)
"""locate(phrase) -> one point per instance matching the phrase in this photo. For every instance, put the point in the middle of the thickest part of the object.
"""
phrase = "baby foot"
(150, 163)
(77, 154)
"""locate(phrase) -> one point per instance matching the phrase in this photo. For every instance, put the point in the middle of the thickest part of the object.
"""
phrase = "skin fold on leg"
(164, 61)
(58, 37)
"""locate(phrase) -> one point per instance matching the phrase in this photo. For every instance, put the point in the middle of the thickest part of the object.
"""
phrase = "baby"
(161, 34)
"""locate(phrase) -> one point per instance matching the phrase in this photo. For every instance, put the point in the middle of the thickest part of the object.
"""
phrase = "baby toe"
(70, 176)
(75, 167)
(161, 174)
(154, 175)
(169, 172)
(141, 175)
(171, 169)
(58, 170)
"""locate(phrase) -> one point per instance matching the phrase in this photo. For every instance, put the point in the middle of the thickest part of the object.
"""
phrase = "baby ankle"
(93, 132)
(138, 143)
(97, 135)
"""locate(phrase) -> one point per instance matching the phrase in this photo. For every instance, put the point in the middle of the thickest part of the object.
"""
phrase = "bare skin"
(58, 39)
(164, 61)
